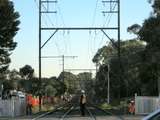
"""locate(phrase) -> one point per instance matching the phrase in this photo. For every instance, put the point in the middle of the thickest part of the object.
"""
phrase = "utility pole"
(108, 91)
(63, 61)
(116, 11)
(119, 48)
(63, 67)
(96, 67)
(40, 80)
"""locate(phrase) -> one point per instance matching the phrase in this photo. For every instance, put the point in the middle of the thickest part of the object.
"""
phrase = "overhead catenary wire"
(90, 46)
(80, 28)
(63, 24)
(63, 49)
(51, 22)
(46, 10)
(61, 14)
(65, 45)
(94, 15)
(112, 8)
(106, 23)
(93, 22)
(108, 19)
(93, 44)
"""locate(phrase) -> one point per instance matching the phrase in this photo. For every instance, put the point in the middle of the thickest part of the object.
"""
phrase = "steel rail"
(90, 113)
(68, 111)
(106, 112)
(42, 115)
(48, 112)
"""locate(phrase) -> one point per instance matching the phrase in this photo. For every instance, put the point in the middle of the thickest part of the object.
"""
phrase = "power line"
(112, 8)
(84, 28)
(94, 15)
(61, 15)
(109, 16)
(46, 23)
(93, 22)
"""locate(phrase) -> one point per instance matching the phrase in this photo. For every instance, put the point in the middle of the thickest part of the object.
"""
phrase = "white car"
(153, 116)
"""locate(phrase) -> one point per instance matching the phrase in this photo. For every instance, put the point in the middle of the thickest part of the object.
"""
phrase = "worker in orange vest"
(29, 104)
(131, 107)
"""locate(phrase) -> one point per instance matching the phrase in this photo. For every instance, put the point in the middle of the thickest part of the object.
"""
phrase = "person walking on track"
(82, 102)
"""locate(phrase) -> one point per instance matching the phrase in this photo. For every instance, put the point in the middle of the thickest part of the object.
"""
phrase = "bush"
(105, 106)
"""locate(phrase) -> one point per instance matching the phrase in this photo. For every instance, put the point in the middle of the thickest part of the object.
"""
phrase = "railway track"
(72, 112)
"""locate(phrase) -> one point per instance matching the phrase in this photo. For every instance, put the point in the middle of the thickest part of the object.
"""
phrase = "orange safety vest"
(29, 99)
(131, 108)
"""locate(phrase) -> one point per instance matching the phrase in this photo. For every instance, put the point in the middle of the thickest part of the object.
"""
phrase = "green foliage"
(8, 28)
(150, 32)
(86, 83)
(140, 63)
(53, 87)
(134, 29)
(70, 82)
(13, 75)
(50, 90)
(156, 6)
(74, 83)
(105, 106)
(26, 72)
(8, 85)
(131, 51)
(102, 54)
(149, 77)
(48, 86)
(150, 69)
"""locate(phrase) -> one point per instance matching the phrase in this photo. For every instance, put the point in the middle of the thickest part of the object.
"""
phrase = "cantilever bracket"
(49, 38)
(109, 38)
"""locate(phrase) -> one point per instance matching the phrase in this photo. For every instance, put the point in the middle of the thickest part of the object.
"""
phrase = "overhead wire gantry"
(44, 8)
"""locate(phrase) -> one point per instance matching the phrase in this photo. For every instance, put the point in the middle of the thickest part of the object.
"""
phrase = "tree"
(135, 28)
(70, 82)
(150, 69)
(85, 81)
(156, 6)
(14, 75)
(26, 72)
(53, 87)
(50, 90)
(131, 51)
(8, 28)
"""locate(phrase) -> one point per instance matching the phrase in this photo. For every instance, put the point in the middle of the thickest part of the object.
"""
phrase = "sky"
(83, 44)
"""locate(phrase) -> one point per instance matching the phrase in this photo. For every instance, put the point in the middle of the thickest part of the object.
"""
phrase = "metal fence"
(13, 107)
(146, 104)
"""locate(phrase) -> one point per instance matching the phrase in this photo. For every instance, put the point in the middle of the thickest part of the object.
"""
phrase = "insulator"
(63, 32)
(68, 32)
(95, 32)
(104, 14)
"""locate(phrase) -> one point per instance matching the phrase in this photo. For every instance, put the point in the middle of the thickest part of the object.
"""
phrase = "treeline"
(25, 80)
